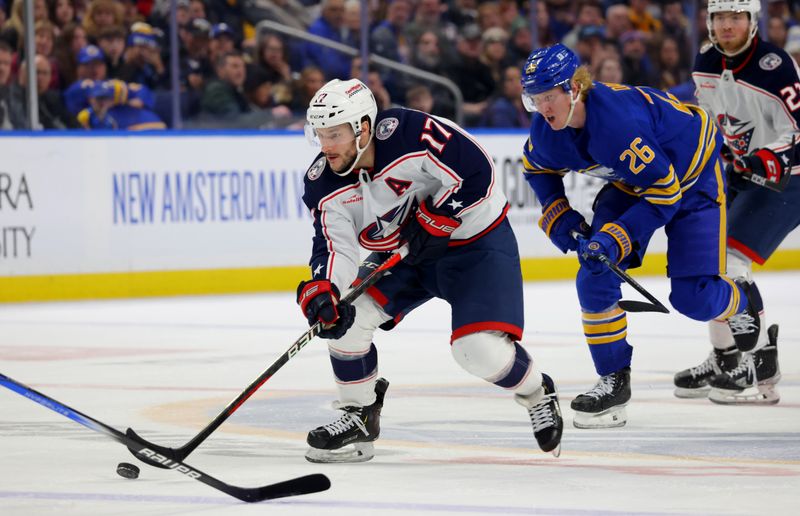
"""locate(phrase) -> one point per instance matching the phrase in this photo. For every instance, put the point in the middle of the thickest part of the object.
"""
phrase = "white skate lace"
(541, 415)
(746, 365)
(705, 367)
(346, 422)
(604, 386)
(742, 324)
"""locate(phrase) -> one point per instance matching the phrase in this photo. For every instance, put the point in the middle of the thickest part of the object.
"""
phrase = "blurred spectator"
(637, 69)
(780, 9)
(387, 38)
(489, 15)
(62, 12)
(329, 25)
(419, 97)
(3, 15)
(13, 29)
(793, 43)
(493, 52)
(427, 55)
(224, 96)
(509, 14)
(111, 41)
(291, 13)
(506, 110)
(676, 24)
(520, 45)
(71, 40)
(197, 9)
(130, 13)
(310, 81)
(474, 77)
(776, 31)
(590, 14)
(102, 14)
(271, 57)
(562, 18)
(670, 71)
(91, 69)
(52, 112)
(44, 40)
(222, 41)
(12, 113)
(590, 41)
(642, 20)
(700, 24)
(609, 69)
(258, 88)
(618, 22)
(544, 26)
(105, 113)
(195, 66)
(428, 16)
(143, 63)
(461, 12)
(352, 23)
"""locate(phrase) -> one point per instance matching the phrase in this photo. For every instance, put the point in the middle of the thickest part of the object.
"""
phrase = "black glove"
(736, 181)
(428, 233)
(319, 301)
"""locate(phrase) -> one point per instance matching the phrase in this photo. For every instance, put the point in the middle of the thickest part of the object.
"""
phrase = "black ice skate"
(349, 439)
(693, 382)
(753, 380)
(545, 414)
(604, 405)
(746, 326)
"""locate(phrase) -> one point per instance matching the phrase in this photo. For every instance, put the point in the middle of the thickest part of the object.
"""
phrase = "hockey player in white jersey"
(753, 90)
(404, 177)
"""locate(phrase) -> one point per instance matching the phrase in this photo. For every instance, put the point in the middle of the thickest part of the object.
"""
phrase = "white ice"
(451, 444)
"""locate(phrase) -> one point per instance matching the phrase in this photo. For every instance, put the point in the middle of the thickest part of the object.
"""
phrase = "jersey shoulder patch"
(386, 128)
(316, 169)
(770, 61)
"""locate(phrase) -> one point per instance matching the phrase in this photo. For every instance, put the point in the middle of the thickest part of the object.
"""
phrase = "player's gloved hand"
(764, 168)
(612, 241)
(319, 301)
(428, 233)
(727, 154)
(736, 181)
(559, 221)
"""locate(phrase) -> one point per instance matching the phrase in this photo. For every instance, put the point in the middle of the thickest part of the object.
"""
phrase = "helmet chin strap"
(573, 99)
(734, 54)
(359, 152)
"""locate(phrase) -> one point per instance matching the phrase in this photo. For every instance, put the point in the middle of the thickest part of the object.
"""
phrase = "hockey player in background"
(752, 89)
(405, 177)
(661, 160)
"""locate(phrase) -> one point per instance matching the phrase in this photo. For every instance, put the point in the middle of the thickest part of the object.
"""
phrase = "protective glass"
(534, 103)
(341, 134)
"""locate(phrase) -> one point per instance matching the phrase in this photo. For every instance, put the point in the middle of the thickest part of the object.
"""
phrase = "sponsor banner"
(88, 204)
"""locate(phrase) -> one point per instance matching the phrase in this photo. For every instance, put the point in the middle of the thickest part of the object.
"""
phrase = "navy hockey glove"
(612, 241)
(764, 168)
(319, 301)
(428, 233)
(559, 221)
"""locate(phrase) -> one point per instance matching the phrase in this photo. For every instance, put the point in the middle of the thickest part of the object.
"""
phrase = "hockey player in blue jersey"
(752, 89)
(403, 177)
(661, 160)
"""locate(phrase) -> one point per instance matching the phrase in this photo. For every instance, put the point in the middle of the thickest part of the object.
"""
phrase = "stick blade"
(641, 306)
(307, 484)
(170, 453)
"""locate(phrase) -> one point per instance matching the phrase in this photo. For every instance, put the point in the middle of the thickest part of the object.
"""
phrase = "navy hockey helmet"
(549, 67)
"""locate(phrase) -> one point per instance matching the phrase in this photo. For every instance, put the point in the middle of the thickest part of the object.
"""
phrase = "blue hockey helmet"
(549, 67)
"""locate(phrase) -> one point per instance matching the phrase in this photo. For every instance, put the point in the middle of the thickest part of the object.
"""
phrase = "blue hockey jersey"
(644, 141)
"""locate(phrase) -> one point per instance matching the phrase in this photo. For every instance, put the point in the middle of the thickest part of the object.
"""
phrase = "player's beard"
(348, 158)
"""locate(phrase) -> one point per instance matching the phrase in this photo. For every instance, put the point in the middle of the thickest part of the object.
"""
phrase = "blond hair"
(583, 80)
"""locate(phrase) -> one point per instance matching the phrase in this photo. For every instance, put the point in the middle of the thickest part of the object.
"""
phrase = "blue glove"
(559, 221)
(612, 241)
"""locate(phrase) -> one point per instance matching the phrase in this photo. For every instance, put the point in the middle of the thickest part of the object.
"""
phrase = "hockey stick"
(178, 454)
(296, 486)
(628, 305)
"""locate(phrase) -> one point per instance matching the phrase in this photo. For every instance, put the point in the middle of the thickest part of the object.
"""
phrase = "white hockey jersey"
(416, 156)
(754, 97)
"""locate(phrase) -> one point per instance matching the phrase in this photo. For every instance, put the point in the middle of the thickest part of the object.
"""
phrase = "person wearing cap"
(143, 63)
(104, 111)
(590, 43)
(195, 66)
(223, 40)
(494, 49)
(91, 68)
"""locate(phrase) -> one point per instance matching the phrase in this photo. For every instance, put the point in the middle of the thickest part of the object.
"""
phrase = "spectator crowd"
(104, 64)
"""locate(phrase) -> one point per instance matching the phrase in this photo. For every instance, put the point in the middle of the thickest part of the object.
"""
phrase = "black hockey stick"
(178, 454)
(628, 305)
(296, 486)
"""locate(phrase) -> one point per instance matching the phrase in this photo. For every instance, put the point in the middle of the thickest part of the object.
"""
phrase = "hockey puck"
(127, 470)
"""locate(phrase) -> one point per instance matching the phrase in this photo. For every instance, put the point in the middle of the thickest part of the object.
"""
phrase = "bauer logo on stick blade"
(127, 470)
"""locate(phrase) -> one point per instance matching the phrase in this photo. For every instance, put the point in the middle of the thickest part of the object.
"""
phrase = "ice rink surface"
(450, 444)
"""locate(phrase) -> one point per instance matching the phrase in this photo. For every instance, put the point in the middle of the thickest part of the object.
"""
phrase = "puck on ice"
(127, 470)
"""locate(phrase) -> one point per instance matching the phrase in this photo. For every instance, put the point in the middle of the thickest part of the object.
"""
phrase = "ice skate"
(350, 438)
(754, 380)
(746, 326)
(545, 414)
(693, 382)
(604, 405)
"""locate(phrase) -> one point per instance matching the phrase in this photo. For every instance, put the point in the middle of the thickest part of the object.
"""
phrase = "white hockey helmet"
(342, 102)
(737, 6)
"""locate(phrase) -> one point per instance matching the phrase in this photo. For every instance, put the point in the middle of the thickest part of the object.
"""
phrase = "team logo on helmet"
(770, 61)
(316, 169)
(531, 67)
(386, 127)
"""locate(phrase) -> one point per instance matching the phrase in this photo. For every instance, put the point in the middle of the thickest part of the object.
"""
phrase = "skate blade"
(762, 394)
(556, 451)
(685, 393)
(358, 452)
(614, 417)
